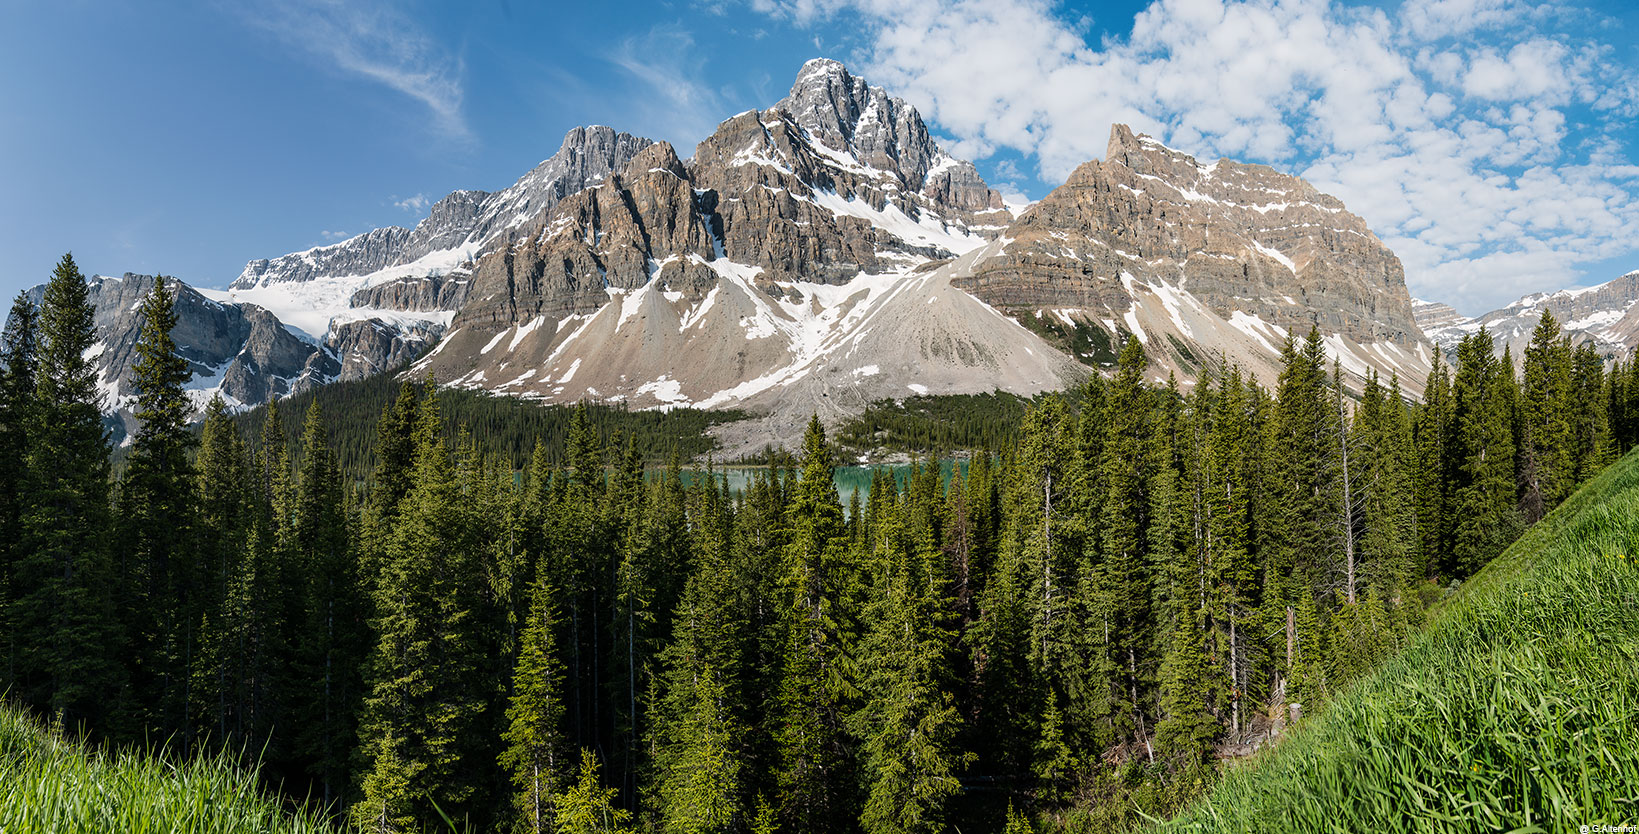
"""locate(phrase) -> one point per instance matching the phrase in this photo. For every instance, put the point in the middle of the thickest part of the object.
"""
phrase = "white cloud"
(415, 204)
(1468, 159)
(333, 236)
(374, 41)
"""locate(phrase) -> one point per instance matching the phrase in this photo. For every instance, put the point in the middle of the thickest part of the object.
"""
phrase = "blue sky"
(1490, 142)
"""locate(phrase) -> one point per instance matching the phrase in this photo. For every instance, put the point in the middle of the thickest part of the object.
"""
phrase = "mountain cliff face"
(378, 297)
(1605, 315)
(463, 222)
(242, 352)
(1197, 260)
(755, 274)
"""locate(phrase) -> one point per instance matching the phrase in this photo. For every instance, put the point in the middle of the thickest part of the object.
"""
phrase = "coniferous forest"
(1069, 633)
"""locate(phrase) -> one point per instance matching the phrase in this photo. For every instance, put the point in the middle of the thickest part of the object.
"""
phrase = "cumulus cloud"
(1483, 145)
(376, 42)
(333, 236)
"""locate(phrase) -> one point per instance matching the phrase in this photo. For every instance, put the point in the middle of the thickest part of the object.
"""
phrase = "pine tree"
(17, 387)
(1484, 501)
(1123, 523)
(1434, 449)
(224, 525)
(68, 639)
(909, 722)
(157, 506)
(1186, 729)
(330, 646)
(1311, 532)
(424, 698)
(1546, 466)
(815, 768)
(1230, 571)
(1591, 448)
(536, 746)
(1387, 518)
(586, 807)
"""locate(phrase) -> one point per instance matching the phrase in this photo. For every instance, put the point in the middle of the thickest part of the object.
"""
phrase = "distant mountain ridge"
(1605, 315)
(810, 258)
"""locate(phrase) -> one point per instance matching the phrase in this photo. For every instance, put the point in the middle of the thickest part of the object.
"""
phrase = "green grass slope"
(1516, 709)
(51, 784)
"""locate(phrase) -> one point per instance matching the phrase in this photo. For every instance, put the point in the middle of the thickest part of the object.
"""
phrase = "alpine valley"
(814, 257)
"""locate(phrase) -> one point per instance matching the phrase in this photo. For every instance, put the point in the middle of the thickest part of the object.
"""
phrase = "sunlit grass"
(50, 783)
(1517, 709)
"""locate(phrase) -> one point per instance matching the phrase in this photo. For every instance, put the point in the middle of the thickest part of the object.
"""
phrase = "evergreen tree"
(815, 762)
(424, 701)
(1483, 502)
(1546, 467)
(224, 526)
(1433, 485)
(586, 807)
(910, 722)
(1229, 568)
(536, 747)
(17, 387)
(1123, 522)
(68, 639)
(157, 505)
(1591, 448)
(330, 646)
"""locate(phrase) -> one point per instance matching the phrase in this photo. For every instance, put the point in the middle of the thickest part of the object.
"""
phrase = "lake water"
(849, 479)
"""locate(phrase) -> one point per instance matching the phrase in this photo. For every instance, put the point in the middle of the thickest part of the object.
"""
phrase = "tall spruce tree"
(536, 754)
(1483, 501)
(68, 638)
(1123, 521)
(816, 777)
(330, 646)
(157, 507)
(1545, 464)
(17, 387)
(424, 702)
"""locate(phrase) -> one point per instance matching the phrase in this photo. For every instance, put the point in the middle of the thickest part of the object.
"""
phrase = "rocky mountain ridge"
(1605, 314)
(815, 256)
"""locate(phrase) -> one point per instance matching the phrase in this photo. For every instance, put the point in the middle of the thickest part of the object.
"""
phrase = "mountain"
(345, 311)
(410, 281)
(1605, 315)
(1203, 263)
(826, 252)
(800, 262)
(811, 258)
(239, 351)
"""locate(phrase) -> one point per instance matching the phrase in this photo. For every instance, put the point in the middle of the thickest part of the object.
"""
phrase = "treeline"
(1069, 631)
(505, 426)
(935, 424)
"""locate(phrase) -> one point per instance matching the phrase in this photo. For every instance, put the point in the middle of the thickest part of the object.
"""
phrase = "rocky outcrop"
(415, 294)
(1249, 245)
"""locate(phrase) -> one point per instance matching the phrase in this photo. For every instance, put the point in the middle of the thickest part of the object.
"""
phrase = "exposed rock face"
(754, 275)
(464, 220)
(242, 352)
(836, 180)
(1250, 247)
(1605, 315)
(1433, 316)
